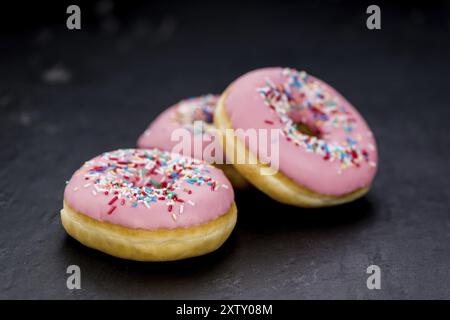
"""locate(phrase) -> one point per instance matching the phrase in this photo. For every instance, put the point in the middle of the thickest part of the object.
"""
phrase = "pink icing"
(340, 160)
(182, 116)
(149, 189)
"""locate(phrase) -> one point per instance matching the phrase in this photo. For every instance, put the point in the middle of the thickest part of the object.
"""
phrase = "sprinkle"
(326, 111)
(127, 174)
(174, 217)
(196, 114)
(224, 186)
(114, 199)
(75, 189)
(112, 209)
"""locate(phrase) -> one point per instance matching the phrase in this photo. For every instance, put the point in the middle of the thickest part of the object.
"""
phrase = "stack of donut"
(152, 204)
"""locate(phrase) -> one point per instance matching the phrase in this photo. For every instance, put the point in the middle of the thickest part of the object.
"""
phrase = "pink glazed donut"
(195, 116)
(149, 205)
(327, 153)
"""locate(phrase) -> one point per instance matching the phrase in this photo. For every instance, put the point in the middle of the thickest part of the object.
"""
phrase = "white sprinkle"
(371, 146)
(191, 202)
(225, 186)
(174, 216)
(87, 185)
(372, 164)
(181, 208)
(94, 193)
(75, 189)
(147, 205)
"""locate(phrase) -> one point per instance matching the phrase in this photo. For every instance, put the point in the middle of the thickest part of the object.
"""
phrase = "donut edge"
(149, 245)
(278, 186)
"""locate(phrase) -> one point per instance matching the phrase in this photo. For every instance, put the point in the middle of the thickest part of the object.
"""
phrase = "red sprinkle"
(113, 200)
(112, 209)
(268, 121)
(170, 207)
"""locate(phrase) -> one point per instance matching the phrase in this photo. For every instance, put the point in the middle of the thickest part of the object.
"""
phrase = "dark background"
(66, 96)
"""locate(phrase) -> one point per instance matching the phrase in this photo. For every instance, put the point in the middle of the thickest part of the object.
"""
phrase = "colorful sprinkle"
(197, 109)
(138, 176)
(302, 94)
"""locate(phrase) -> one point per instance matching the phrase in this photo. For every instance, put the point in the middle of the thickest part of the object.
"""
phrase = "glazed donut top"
(149, 189)
(193, 114)
(335, 154)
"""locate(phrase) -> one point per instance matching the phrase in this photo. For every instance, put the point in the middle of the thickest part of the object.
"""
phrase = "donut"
(149, 205)
(196, 116)
(327, 152)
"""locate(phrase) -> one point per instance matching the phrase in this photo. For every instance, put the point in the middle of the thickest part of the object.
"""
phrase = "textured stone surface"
(68, 96)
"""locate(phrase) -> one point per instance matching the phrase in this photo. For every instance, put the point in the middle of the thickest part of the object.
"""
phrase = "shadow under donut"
(258, 212)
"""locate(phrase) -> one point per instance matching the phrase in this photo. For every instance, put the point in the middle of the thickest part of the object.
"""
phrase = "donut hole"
(304, 124)
(153, 181)
(203, 114)
(306, 130)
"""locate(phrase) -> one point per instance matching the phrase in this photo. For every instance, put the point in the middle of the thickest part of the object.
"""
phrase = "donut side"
(149, 245)
(278, 186)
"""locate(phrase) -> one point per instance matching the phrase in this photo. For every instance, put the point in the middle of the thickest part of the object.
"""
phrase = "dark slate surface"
(116, 74)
